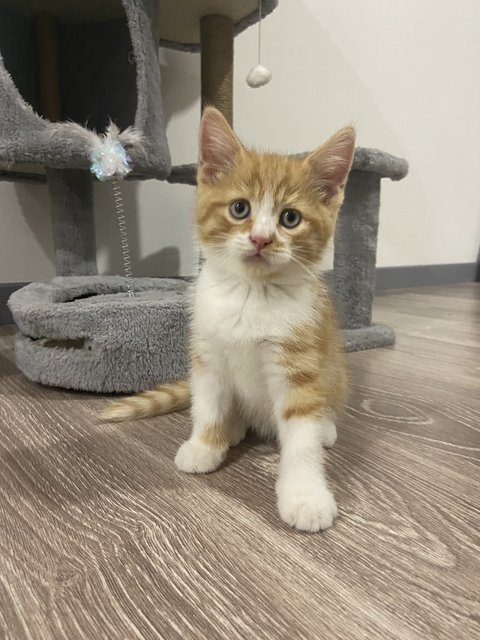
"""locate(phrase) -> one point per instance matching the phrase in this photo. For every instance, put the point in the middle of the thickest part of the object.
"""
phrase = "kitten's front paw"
(196, 457)
(306, 508)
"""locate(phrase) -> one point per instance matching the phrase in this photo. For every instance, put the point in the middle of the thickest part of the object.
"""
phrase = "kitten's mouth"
(256, 258)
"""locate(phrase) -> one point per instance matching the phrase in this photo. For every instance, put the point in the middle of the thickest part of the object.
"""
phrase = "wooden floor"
(101, 538)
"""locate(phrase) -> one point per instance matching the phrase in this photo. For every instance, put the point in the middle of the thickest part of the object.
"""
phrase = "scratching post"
(354, 261)
(71, 190)
(356, 248)
(71, 193)
(73, 224)
(216, 38)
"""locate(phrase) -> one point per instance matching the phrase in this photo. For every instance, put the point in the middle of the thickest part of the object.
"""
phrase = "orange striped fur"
(164, 398)
(315, 366)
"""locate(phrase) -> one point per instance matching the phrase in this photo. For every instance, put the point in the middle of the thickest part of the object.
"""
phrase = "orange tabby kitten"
(266, 352)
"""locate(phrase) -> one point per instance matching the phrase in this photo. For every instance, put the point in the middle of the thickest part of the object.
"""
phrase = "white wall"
(405, 72)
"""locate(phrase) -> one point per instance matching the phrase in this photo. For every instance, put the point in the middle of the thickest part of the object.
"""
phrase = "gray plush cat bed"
(87, 61)
(86, 333)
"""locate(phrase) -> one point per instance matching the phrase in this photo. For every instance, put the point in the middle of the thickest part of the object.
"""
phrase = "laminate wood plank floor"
(101, 537)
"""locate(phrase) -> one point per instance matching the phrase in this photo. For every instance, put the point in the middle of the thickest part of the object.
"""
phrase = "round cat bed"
(86, 333)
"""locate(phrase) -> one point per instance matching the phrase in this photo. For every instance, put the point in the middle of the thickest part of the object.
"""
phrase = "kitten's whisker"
(304, 267)
(304, 251)
(223, 253)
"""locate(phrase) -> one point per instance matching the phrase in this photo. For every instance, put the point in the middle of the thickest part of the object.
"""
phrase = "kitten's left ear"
(330, 164)
(218, 146)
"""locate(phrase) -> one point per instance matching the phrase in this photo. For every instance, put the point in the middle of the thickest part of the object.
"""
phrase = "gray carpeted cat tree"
(89, 61)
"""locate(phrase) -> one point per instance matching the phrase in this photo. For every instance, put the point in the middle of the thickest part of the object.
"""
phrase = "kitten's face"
(265, 213)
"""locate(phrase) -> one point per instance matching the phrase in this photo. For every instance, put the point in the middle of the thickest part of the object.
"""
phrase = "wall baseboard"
(427, 275)
(386, 278)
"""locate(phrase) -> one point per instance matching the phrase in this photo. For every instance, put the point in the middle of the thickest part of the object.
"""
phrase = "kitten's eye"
(290, 218)
(240, 209)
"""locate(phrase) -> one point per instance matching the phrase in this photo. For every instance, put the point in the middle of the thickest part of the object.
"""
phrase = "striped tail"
(164, 398)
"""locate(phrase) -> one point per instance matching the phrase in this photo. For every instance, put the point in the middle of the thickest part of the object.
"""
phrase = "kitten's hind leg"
(329, 433)
(197, 456)
(208, 444)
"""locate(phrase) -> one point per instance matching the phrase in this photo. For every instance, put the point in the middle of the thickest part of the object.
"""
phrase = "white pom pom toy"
(259, 75)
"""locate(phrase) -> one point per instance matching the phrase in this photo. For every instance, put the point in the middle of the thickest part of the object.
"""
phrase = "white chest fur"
(240, 323)
(233, 309)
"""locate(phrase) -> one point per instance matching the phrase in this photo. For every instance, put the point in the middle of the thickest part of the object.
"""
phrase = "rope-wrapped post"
(216, 37)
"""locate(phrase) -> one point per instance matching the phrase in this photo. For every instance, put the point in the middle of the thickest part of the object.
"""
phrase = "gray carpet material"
(365, 159)
(107, 70)
(86, 333)
(372, 337)
(356, 250)
(71, 192)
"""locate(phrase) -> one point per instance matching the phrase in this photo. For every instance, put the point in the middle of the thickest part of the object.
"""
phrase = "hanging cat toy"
(259, 75)
(110, 161)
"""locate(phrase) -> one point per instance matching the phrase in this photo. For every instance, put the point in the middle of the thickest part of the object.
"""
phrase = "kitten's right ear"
(330, 164)
(218, 147)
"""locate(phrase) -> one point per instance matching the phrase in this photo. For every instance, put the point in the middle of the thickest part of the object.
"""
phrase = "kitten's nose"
(260, 241)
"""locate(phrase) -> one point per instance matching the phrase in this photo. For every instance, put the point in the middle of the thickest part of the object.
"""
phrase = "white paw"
(307, 508)
(196, 457)
(329, 433)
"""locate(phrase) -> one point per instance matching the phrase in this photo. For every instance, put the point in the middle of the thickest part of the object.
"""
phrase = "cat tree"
(91, 60)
